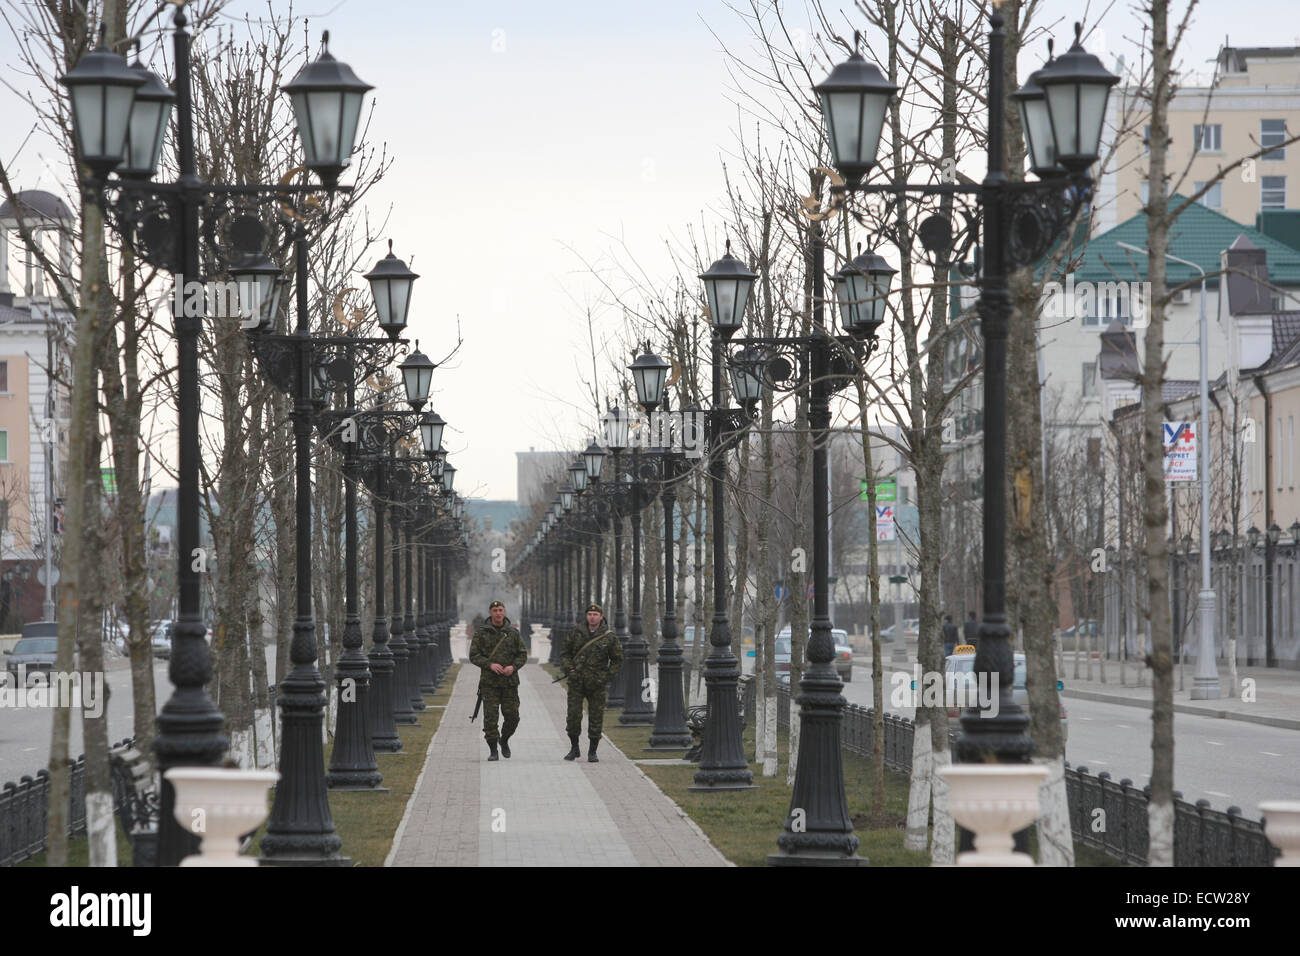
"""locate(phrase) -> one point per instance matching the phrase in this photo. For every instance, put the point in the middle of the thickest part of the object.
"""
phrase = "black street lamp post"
(670, 731)
(637, 708)
(722, 758)
(119, 117)
(1062, 109)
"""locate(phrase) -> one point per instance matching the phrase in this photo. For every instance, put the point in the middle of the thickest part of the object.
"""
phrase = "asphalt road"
(25, 732)
(1228, 762)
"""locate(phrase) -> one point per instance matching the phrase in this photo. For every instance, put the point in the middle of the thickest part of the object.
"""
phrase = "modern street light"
(1021, 221)
(163, 223)
(1205, 685)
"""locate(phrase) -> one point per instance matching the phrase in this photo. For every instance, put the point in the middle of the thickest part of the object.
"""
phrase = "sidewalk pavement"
(1269, 696)
(536, 809)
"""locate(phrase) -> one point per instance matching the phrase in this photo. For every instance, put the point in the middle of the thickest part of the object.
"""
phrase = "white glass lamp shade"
(578, 476)
(258, 280)
(615, 425)
(431, 428)
(1037, 126)
(150, 111)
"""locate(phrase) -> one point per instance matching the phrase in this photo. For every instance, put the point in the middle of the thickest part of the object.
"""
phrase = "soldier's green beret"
(496, 604)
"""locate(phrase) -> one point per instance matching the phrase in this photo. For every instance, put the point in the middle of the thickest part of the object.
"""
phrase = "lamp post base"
(817, 858)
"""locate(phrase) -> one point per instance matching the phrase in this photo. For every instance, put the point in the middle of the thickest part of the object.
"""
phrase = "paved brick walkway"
(536, 809)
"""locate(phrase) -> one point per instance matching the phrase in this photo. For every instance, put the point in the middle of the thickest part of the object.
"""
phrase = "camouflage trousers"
(594, 695)
(505, 700)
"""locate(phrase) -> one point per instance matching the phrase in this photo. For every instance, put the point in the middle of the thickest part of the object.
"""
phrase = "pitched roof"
(1199, 234)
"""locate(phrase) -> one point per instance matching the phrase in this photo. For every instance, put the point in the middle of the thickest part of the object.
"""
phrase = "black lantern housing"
(448, 477)
(727, 284)
(746, 369)
(150, 111)
(578, 476)
(258, 278)
(861, 290)
(102, 88)
(594, 460)
(566, 498)
(417, 376)
(326, 97)
(1076, 87)
(1037, 125)
(431, 427)
(649, 372)
(1274, 534)
(390, 285)
(854, 99)
(1252, 537)
(615, 426)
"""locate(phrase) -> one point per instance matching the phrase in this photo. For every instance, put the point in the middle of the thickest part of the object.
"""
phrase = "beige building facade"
(1254, 103)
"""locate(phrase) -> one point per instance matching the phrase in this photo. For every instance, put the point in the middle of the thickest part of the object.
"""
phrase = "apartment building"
(35, 335)
(1253, 103)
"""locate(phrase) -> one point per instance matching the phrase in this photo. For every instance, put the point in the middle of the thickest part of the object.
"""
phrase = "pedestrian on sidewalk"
(498, 651)
(949, 635)
(592, 656)
(971, 629)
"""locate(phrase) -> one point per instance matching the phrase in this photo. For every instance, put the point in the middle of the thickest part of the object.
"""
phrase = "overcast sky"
(526, 135)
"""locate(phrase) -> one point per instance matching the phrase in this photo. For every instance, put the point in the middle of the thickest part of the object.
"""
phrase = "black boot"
(574, 750)
(505, 747)
(591, 751)
(492, 746)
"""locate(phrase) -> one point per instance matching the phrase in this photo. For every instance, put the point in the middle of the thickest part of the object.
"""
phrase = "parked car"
(911, 630)
(962, 661)
(1087, 630)
(35, 652)
(162, 640)
(843, 654)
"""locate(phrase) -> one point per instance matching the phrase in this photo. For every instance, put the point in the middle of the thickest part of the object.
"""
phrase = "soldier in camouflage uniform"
(498, 651)
(592, 656)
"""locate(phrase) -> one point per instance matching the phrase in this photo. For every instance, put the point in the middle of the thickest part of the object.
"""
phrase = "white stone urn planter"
(219, 805)
(993, 801)
(1282, 829)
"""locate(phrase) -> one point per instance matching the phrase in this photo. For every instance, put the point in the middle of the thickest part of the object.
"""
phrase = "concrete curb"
(1199, 710)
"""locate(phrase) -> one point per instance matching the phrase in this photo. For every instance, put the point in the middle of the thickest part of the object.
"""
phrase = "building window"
(4, 376)
(1213, 196)
(4, 514)
(1089, 379)
(1145, 190)
(1272, 132)
(1272, 192)
(1146, 139)
(1208, 138)
(4, 446)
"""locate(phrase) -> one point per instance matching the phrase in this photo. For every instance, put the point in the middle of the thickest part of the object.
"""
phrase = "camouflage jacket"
(598, 663)
(511, 651)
